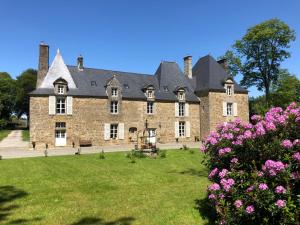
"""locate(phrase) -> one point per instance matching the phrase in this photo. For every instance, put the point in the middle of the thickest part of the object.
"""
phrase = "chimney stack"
(188, 66)
(223, 63)
(80, 62)
(43, 63)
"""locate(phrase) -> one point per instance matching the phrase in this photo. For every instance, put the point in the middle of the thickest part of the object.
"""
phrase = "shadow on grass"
(100, 221)
(192, 172)
(205, 210)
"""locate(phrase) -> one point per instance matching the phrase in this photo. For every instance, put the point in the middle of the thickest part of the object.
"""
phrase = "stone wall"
(90, 115)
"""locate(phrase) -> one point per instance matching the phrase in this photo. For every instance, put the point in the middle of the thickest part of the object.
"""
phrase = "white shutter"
(69, 105)
(176, 109)
(121, 131)
(106, 131)
(52, 103)
(235, 112)
(224, 109)
(188, 129)
(187, 108)
(176, 129)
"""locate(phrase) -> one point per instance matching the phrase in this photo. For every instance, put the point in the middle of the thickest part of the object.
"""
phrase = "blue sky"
(134, 35)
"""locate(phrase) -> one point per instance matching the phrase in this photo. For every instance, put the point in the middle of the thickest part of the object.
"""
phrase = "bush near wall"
(255, 169)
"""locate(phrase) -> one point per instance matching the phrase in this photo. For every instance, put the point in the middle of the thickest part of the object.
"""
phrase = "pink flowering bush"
(255, 169)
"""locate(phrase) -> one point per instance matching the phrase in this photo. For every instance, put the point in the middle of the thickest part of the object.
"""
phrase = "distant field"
(88, 190)
(4, 133)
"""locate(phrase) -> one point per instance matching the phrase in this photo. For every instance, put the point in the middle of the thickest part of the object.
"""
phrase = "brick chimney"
(80, 62)
(223, 63)
(188, 66)
(43, 63)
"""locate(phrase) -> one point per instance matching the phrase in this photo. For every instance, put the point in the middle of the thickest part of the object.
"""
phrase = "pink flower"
(270, 126)
(211, 196)
(213, 173)
(223, 173)
(280, 190)
(234, 160)
(221, 196)
(256, 118)
(280, 203)
(247, 134)
(214, 187)
(260, 173)
(250, 209)
(227, 183)
(249, 189)
(296, 142)
(296, 156)
(223, 151)
(238, 203)
(203, 148)
(297, 119)
(273, 167)
(287, 144)
(263, 186)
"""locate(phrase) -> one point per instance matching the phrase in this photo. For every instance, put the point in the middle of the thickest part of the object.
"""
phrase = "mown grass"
(25, 135)
(88, 190)
(3, 134)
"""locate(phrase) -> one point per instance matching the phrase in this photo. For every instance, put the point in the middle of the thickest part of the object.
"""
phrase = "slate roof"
(207, 75)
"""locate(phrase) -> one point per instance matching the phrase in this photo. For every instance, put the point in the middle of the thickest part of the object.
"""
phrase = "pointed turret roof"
(57, 70)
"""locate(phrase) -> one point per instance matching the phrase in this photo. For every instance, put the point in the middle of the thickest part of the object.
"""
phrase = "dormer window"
(114, 92)
(229, 90)
(60, 89)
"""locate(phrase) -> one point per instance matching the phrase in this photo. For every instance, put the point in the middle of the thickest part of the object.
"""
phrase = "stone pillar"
(43, 63)
(188, 66)
(80, 62)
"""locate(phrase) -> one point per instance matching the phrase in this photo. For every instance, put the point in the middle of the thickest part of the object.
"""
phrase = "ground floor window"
(181, 129)
(60, 134)
(113, 131)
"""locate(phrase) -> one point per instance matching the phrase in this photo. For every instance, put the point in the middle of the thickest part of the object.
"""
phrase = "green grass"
(25, 135)
(88, 190)
(3, 134)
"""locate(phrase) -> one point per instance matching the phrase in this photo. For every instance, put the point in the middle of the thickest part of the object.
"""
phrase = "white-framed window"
(60, 133)
(150, 107)
(114, 107)
(181, 129)
(114, 92)
(60, 105)
(113, 131)
(60, 125)
(150, 94)
(229, 90)
(181, 95)
(60, 89)
(181, 109)
(229, 108)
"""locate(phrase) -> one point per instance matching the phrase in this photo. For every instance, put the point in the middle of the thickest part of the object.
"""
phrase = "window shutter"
(121, 131)
(235, 112)
(176, 109)
(187, 108)
(106, 131)
(176, 129)
(188, 129)
(69, 105)
(224, 109)
(52, 103)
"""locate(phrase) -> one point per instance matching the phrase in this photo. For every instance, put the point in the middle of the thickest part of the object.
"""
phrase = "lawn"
(4, 133)
(88, 190)
(25, 135)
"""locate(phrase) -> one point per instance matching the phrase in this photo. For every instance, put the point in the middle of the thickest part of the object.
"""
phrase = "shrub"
(191, 151)
(102, 155)
(255, 169)
(3, 123)
(162, 154)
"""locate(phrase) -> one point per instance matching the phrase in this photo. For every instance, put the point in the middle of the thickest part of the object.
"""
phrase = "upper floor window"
(150, 107)
(229, 109)
(113, 131)
(60, 125)
(114, 107)
(114, 92)
(181, 95)
(60, 105)
(181, 129)
(181, 106)
(229, 90)
(150, 94)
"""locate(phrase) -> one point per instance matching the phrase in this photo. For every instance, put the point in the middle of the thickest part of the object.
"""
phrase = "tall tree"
(26, 83)
(261, 51)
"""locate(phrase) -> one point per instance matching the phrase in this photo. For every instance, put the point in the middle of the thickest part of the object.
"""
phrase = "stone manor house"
(76, 104)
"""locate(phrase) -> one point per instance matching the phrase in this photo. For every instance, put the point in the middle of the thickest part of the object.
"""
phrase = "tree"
(26, 83)
(7, 96)
(286, 90)
(257, 56)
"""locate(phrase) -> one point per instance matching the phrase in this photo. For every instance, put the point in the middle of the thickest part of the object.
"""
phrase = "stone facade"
(90, 115)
